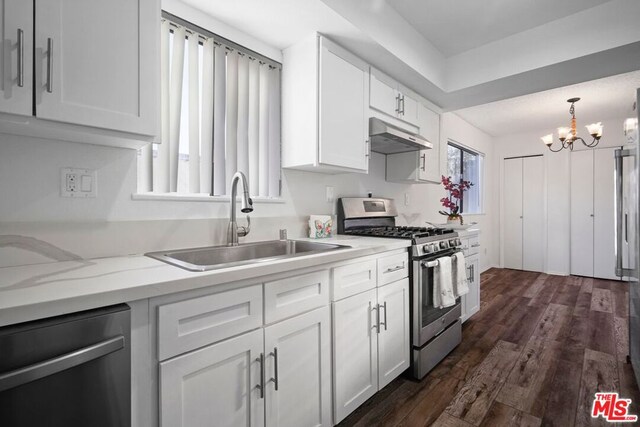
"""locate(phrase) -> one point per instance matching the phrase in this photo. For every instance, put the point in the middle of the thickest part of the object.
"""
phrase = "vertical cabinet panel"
(214, 385)
(533, 214)
(343, 119)
(393, 340)
(98, 74)
(604, 214)
(429, 123)
(302, 371)
(512, 208)
(472, 299)
(16, 56)
(355, 352)
(582, 213)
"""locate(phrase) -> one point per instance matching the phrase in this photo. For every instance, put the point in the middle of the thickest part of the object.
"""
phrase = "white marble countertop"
(36, 291)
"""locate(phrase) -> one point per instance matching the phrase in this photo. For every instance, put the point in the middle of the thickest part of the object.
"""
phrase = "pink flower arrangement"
(452, 202)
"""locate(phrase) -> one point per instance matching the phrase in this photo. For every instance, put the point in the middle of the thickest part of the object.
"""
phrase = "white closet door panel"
(604, 215)
(104, 63)
(582, 213)
(533, 214)
(512, 195)
(16, 16)
(343, 120)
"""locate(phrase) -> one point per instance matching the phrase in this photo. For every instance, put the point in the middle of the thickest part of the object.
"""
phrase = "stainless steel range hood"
(386, 138)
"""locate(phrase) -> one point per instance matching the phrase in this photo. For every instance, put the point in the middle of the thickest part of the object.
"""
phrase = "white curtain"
(206, 143)
(230, 119)
(219, 120)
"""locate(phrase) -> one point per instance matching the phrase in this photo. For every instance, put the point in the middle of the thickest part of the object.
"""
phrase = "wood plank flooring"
(535, 354)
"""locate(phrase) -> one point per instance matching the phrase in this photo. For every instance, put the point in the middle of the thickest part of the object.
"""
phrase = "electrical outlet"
(78, 183)
(330, 194)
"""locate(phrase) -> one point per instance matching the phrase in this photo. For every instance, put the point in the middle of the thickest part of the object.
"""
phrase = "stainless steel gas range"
(435, 331)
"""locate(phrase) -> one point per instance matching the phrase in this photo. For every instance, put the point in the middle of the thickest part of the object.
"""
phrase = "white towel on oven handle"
(460, 282)
(443, 284)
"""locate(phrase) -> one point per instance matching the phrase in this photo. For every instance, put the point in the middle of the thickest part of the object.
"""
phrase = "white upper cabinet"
(16, 60)
(96, 72)
(419, 166)
(391, 98)
(100, 70)
(325, 91)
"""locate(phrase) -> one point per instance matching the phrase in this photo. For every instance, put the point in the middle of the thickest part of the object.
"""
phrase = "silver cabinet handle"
(49, 65)
(376, 309)
(49, 367)
(475, 245)
(619, 154)
(424, 162)
(398, 104)
(261, 385)
(20, 58)
(402, 110)
(385, 315)
(275, 367)
(396, 268)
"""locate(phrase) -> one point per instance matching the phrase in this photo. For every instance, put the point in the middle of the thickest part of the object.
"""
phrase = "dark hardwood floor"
(535, 354)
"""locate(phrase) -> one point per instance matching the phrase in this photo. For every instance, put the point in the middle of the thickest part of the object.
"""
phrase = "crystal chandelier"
(568, 136)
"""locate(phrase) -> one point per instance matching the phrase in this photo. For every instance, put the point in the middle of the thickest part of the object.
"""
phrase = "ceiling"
(602, 99)
(456, 54)
(469, 24)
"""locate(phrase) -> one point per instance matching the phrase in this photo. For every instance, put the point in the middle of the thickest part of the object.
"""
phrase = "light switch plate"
(78, 183)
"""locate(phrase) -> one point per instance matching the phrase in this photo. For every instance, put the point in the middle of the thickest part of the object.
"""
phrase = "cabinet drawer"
(294, 295)
(392, 268)
(194, 323)
(353, 278)
(474, 245)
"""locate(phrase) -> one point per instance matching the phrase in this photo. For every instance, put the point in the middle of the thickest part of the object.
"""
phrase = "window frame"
(480, 184)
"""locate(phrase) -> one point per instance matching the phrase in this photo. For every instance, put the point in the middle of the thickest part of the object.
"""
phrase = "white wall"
(114, 224)
(557, 186)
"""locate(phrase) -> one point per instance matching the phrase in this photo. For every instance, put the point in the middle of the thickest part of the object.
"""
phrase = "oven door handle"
(429, 264)
(43, 369)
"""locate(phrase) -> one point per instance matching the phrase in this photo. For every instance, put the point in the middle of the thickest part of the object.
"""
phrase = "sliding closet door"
(582, 213)
(604, 214)
(533, 214)
(512, 208)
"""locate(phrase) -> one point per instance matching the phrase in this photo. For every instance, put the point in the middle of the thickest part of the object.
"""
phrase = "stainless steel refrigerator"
(627, 191)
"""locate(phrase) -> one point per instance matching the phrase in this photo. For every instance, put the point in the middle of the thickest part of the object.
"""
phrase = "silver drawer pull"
(261, 385)
(396, 268)
(49, 65)
(275, 368)
(20, 58)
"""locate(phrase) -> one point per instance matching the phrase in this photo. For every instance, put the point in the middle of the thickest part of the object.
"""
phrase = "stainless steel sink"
(215, 257)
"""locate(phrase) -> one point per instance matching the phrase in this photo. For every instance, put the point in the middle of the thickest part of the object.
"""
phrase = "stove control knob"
(452, 242)
(427, 249)
(444, 244)
(458, 242)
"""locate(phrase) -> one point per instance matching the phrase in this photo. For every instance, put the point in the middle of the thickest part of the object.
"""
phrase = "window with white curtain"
(220, 114)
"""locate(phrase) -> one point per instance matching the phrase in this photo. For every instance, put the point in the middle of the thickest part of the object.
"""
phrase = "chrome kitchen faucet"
(233, 231)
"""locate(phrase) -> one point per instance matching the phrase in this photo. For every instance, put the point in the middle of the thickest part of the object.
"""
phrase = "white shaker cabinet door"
(298, 363)
(16, 56)
(103, 67)
(393, 340)
(214, 386)
(355, 352)
(383, 97)
(472, 299)
(344, 128)
(429, 166)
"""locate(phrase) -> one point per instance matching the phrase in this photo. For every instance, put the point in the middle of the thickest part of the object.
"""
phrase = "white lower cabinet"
(471, 301)
(393, 338)
(298, 370)
(370, 344)
(216, 385)
(220, 385)
(355, 352)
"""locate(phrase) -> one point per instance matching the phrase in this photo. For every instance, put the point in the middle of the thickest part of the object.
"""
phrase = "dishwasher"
(70, 370)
